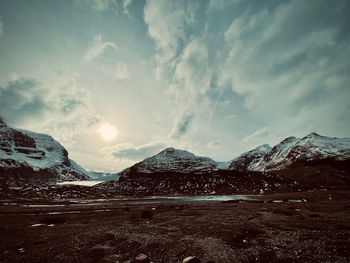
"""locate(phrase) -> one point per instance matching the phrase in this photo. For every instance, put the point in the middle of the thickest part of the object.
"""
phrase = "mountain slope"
(249, 159)
(293, 151)
(28, 156)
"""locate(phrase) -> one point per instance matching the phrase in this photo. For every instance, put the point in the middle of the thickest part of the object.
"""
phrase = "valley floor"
(315, 230)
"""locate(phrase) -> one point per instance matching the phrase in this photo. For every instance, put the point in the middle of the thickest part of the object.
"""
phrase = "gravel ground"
(315, 228)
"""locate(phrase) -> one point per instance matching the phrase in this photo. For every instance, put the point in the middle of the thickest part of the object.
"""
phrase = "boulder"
(141, 258)
(191, 259)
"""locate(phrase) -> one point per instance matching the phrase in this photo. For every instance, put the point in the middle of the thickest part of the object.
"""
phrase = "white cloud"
(258, 133)
(230, 117)
(157, 117)
(193, 69)
(182, 62)
(126, 4)
(1, 28)
(118, 72)
(97, 47)
(214, 144)
(98, 5)
(219, 5)
(128, 151)
(166, 20)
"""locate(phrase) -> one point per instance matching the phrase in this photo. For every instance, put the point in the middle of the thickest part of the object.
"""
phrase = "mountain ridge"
(312, 161)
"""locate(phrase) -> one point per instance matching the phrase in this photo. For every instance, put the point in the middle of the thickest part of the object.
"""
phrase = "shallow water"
(205, 198)
(84, 183)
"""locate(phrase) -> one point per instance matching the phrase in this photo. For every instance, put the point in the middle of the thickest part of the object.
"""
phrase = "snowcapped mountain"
(173, 160)
(295, 163)
(29, 156)
(249, 159)
(169, 172)
(293, 151)
(310, 162)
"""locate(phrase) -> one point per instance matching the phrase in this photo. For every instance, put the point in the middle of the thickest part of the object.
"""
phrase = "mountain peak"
(173, 153)
(289, 139)
(169, 150)
(264, 147)
(312, 135)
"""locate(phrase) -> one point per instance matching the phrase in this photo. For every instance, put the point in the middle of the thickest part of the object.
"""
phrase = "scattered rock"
(191, 260)
(141, 258)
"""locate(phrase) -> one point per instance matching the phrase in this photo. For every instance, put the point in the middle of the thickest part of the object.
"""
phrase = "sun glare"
(108, 132)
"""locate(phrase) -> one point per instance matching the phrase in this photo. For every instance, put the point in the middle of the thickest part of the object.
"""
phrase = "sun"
(108, 132)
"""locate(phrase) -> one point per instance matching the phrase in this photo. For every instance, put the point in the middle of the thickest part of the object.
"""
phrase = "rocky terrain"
(303, 227)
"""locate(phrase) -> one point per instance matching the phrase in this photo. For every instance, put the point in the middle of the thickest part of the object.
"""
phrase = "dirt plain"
(273, 228)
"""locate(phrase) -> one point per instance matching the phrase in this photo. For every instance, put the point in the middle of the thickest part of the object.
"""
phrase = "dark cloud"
(22, 98)
(25, 98)
(130, 152)
(182, 125)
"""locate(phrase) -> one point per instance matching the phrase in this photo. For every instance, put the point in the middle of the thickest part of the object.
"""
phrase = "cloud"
(97, 47)
(118, 72)
(98, 5)
(193, 69)
(1, 28)
(126, 4)
(284, 61)
(214, 144)
(230, 117)
(219, 5)
(273, 55)
(182, 125)
(62, 110)
(23, 98)
(166, 22)
(279, 61)
(182, 61)
(258, 133)
(157, 117)
(128, 151)
(224, 104)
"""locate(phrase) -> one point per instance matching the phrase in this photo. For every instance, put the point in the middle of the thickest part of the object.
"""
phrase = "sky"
(214, 77)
